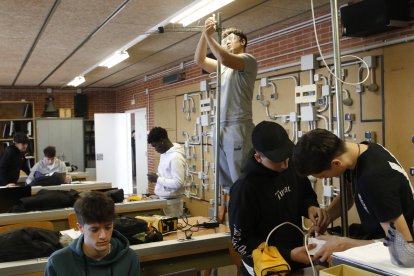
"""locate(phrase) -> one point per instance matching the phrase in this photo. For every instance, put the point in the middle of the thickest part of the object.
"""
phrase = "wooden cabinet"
(89, 126)
(66, 134)
(17, 116)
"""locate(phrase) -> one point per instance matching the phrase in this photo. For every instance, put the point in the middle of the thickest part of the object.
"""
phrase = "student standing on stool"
(100, 250)
(239, 71)
(13, 160)
(169, 181)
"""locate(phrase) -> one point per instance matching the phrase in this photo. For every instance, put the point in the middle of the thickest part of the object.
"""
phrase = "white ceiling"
(46, 43)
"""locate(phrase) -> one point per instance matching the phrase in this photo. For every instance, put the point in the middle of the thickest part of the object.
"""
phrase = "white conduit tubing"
(325, 105)
(325, 120)
(348, 127)
(295, 79)
(271, 116)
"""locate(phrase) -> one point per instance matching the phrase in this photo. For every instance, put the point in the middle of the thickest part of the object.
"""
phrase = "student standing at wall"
(100, 250)
(169, 181)
(239, 71)
(13, 160)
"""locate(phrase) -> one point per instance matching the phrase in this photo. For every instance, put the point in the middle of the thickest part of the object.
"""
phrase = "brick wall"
(98, 101)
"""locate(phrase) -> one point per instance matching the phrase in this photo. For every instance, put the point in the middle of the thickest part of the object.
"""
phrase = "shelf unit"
(89, 132)
(17, 116)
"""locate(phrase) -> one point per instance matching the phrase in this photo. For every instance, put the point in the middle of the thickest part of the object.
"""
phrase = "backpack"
(28, 243)
(133, 229)
(136, 230)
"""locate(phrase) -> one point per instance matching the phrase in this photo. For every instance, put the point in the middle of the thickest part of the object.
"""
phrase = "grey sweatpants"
(234, 145)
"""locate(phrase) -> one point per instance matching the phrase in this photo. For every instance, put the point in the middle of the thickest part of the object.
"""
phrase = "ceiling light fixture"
(76, 81)
(115, 59)
(198, 10)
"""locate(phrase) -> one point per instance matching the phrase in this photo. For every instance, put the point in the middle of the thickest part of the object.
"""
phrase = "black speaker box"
(81, 105)
(369, 17)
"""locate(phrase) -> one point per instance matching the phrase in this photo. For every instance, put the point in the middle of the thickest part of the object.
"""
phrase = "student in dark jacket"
(100, 250)
(13, 160)
(268, 193)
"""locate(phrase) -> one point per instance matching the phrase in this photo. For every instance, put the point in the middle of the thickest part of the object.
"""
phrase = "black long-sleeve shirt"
(262, 199)
(11, 162)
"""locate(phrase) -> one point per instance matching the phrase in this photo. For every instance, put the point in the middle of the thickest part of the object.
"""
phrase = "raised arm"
(200, 56)
(228, 59)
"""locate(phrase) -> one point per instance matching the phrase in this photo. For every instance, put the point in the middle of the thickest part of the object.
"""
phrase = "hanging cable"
(345, 56)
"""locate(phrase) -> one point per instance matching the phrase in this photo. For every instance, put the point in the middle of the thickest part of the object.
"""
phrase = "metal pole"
(339, 110)
(217, 126)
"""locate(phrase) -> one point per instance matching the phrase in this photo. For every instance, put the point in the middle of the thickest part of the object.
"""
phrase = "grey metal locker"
(66, 134)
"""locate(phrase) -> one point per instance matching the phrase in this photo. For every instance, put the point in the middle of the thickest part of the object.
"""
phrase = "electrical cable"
(187, 231)
(304, 235)
(323, 59)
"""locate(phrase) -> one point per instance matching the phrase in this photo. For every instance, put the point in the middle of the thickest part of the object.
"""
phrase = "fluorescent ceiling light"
(115, 59)
(77, 81)
(199, 10)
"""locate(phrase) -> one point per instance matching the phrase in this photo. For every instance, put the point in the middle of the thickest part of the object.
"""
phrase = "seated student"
(171, 171)
(379, 186)
(100, 250)
(49, 164)
(13, 160)
(268, 193)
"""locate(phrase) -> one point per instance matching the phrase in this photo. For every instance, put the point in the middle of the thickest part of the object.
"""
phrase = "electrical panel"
(264, 82)
(205, 120)
(326, 90)
(308, 113)
(307, 62)
(307, 93)
(206, 105)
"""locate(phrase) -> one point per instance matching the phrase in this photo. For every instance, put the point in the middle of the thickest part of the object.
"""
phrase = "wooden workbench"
(207, 248)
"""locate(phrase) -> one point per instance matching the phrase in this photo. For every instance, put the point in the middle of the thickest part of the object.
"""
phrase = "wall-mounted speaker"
(81, 105)
(369, 17)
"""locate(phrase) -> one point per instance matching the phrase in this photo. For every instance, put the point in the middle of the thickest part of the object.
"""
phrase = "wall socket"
(411, 171)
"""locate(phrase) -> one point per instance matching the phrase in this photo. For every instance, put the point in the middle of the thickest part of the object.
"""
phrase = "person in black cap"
(268, 193)
(13, 160)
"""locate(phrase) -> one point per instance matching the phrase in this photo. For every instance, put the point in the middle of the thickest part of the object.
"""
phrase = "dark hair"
(94, 207)
(20, 138)
(49, 151)
(235, 31)
(315, 151)
(156, 135)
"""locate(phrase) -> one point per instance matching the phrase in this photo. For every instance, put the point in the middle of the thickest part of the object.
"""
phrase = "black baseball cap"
(272, 140)
(21, 138)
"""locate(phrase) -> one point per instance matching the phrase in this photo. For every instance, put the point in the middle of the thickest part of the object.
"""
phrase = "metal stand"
(339, 110)
(217, 126)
